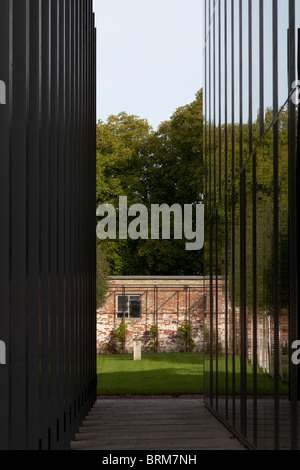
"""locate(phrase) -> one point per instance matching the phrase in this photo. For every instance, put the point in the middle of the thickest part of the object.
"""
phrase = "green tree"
(264, 196)
(174, 172)
(152, 168)
(121, 146)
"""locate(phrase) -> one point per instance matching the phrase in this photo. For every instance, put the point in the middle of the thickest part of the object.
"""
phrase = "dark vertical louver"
(251, 250)
(47, 244)
(298, 194)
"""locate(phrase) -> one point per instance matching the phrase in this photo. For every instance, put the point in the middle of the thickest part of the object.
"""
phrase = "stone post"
(137, 349)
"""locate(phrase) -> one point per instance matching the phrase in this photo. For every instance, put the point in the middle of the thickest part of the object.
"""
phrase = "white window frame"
(131, 297)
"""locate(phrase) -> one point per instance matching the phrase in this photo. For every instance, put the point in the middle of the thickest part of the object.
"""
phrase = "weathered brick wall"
(167, 302)
(176, 301)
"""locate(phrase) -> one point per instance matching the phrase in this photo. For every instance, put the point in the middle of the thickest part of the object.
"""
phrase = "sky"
(149, 56)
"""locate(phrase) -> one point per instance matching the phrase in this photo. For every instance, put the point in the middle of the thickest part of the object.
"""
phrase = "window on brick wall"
(131, 304)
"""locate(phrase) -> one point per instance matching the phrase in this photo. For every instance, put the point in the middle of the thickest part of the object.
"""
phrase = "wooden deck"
(265, 416)
(153, 424)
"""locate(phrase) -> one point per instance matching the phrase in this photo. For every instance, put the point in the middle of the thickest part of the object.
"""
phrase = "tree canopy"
(151, 167)
(259, 190)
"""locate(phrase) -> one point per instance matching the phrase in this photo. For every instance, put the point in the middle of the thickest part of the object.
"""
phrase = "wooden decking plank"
(154, 424)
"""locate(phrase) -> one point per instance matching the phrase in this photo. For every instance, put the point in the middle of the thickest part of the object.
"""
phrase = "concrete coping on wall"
(178, 278)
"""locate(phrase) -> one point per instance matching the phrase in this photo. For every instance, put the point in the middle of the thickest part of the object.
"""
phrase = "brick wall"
(170, 303)
(167, 302)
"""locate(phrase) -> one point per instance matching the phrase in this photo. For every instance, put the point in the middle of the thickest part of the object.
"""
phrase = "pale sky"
(149, 58)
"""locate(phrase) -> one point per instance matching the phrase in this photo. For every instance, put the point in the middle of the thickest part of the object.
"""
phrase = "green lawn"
(174, 373)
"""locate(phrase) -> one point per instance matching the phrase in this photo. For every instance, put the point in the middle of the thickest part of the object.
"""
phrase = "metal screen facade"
(251, 62)
(47, 247)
